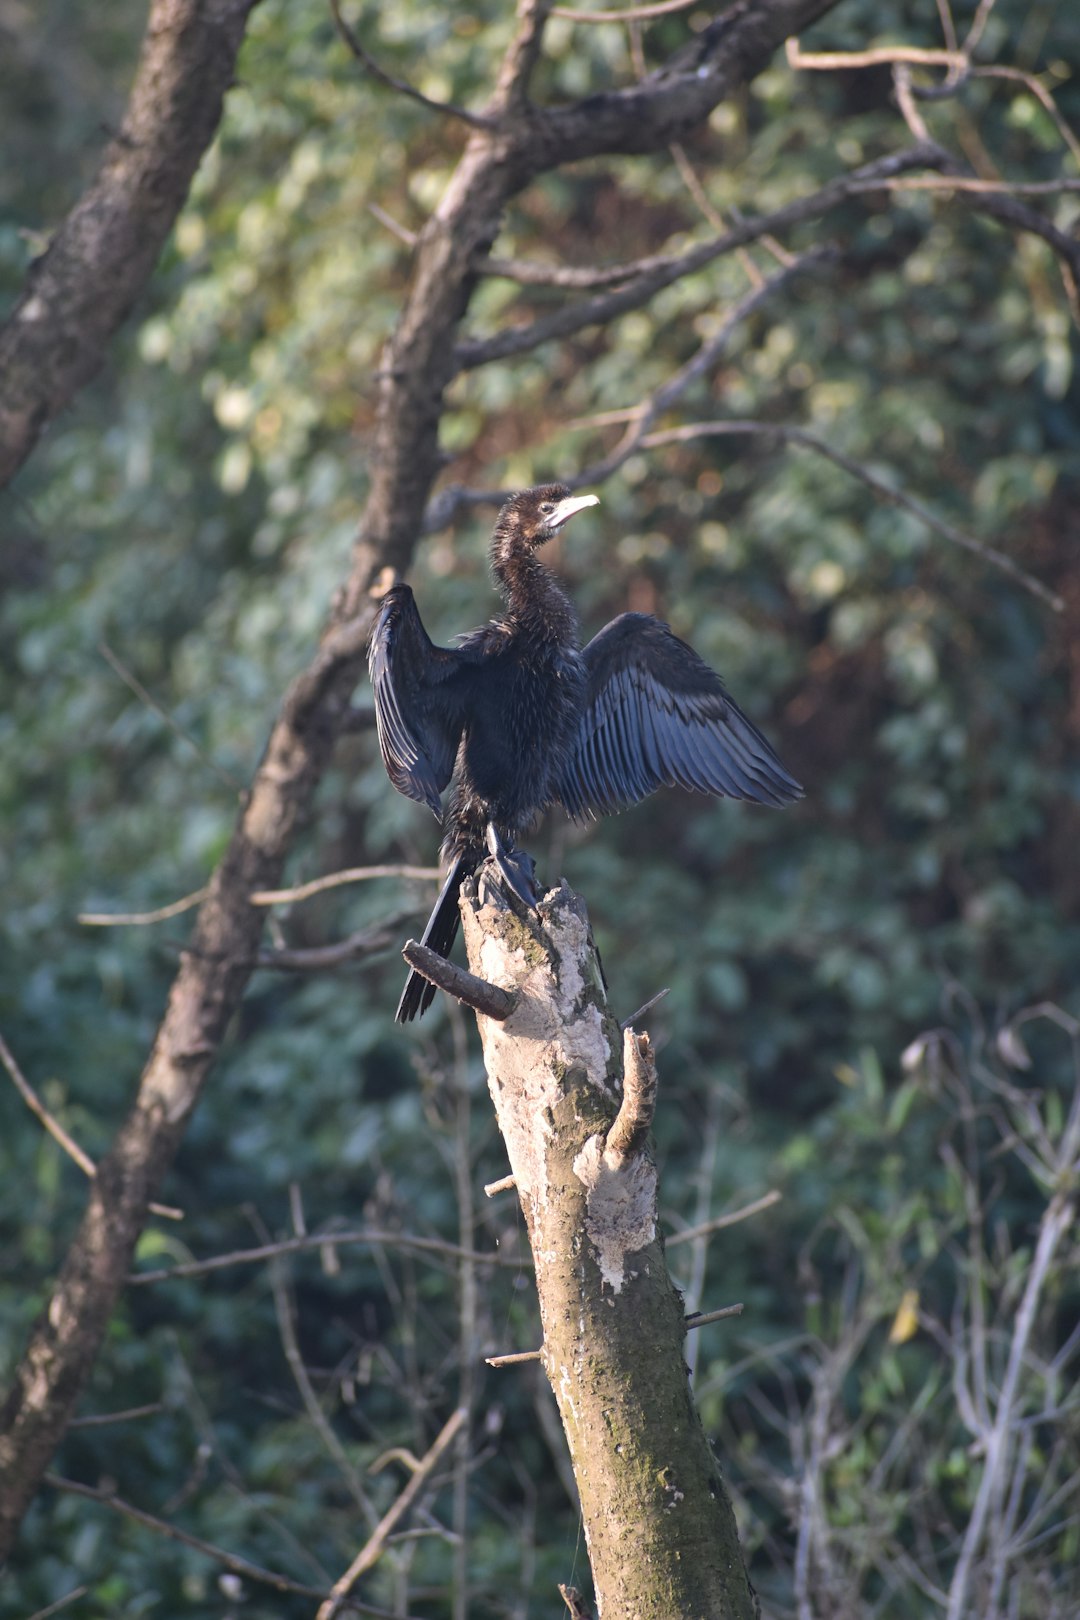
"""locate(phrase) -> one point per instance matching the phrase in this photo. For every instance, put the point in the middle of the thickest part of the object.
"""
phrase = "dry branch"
(465, 987)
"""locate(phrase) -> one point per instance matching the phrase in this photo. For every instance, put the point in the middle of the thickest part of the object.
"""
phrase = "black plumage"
(521, 717)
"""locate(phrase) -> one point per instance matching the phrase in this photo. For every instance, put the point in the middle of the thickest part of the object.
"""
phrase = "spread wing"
(419, 699)
(657, 716)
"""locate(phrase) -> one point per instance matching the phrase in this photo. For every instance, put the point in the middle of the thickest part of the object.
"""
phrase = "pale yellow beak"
(566, 509)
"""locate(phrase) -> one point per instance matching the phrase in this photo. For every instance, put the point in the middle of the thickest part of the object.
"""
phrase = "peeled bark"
(659, 1525)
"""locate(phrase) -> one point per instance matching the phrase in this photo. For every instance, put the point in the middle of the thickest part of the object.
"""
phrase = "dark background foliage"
(194, 511)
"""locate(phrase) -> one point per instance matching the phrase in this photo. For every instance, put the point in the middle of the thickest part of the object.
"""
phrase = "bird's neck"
(536, 602)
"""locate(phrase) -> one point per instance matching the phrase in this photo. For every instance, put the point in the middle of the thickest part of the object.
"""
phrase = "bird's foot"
(516, 867)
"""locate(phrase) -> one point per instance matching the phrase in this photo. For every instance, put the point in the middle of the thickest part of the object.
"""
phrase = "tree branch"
(465, 987)
(373, 1548)
(895, 497)
(402, 86)
(649, 276)
(231, 1561)
(322, 1240)
(83, 287)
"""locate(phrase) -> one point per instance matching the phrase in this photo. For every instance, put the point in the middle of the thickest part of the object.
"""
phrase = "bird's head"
(534, 516)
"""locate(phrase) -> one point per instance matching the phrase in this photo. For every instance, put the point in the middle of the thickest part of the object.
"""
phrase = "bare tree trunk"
(574, 1100)
(100, 258)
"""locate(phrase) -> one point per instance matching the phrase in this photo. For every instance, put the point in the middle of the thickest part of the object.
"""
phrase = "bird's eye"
(546, 508)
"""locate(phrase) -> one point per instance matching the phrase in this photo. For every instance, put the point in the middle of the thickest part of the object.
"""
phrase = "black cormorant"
(522, 717)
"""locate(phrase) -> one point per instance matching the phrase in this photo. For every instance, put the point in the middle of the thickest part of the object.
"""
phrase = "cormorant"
(523, 717)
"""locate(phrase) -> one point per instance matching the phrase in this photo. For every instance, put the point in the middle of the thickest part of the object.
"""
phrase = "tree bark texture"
(102, 255)
(659, 1524)
(100, 258)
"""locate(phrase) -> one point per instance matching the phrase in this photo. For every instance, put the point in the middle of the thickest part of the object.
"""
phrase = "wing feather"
(420, 695)
(656, 715)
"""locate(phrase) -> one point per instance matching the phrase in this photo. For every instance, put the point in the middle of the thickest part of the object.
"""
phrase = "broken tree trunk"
(660, 1528)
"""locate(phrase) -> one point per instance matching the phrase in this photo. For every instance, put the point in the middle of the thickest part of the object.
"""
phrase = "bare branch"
(134, 685)
(646, 1006)
(372, 1550)
(514, 1359)
(101, 1420)
(703, 1318)
(504, 1184)
(403, 234)
(374, 1238)
(1058, 1218)
(719, 1222)
(809, 441)
(707, 356)
(476, 993)
(662, 8)
(512, 87)
(57, 1131)
(649, 276)
(40, 1112)
(318, 958)
(879, 56)
(334, 880)
(61, 1603)
(1007, 188)
(230, 1561)
(403, 88)
(286, 1320)
(140, 919)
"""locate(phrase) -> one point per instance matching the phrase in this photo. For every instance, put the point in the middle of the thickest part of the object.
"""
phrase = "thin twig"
(318, 958)
(317, 1240)
(651, 276)
(503, 1185)
(99, 1420)
(704, 360)
(285, 1311)
(959, 182)
(719, 1222)
(1057, 1220)
(514, 1359)
(661, 8)
(231, 1561)
(895, 497)
(373, 1548)
(403, 234)
(334, 880)
(135, 685)
(61, 1603)
(57, 1131)
(646, 1006)
(877, 56)
(703, 1318)
(41, 1113)
(368, 62)
(140, 919)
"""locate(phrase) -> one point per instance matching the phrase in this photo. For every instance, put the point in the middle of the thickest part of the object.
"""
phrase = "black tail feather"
(439, 935)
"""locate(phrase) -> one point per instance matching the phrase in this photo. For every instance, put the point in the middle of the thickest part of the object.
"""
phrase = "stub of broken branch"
(633, 1122)
(466, 987)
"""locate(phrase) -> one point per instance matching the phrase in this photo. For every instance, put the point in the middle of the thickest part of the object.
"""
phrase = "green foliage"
(195, 509)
